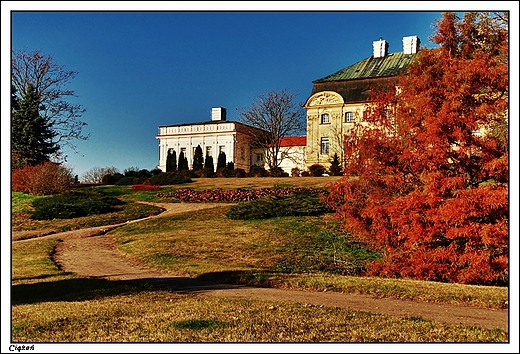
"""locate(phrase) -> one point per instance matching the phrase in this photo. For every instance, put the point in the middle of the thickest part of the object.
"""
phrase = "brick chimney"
(380, 48)
(411, 44)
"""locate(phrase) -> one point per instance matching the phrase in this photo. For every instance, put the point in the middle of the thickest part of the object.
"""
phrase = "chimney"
(380, 48)
(411, 44)
(218, 113)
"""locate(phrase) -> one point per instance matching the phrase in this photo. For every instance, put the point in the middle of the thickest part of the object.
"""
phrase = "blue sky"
(141, 70)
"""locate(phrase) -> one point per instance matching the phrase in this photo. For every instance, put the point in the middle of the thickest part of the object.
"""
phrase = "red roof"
(293, 141)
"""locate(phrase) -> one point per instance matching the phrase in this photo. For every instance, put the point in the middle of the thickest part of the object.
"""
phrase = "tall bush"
(42, 179)
(198, 159)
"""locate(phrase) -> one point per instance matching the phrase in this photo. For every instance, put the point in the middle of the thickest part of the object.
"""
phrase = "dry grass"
(50, 306)
(160, 316)
(208, 245)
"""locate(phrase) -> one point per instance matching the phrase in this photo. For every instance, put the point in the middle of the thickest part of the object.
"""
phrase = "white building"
(233, 138)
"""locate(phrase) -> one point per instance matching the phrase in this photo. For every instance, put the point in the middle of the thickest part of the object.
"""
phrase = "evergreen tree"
(38, 75)
(171, 161)
(335, 166)
(221, 161)
(198, 159)
(208, 163)
(31, 134)
(183, 162)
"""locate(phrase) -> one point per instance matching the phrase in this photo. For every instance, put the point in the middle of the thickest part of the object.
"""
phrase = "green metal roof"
(390, 65)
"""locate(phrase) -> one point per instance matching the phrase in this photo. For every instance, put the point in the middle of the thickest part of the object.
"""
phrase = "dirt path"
(92, 253)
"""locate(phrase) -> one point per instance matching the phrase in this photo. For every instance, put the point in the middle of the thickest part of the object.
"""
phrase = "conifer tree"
(221, 161)
(208, 163)
(183, 162)
(171, 161)
(198, 159)
(335, 166)
(31, 134)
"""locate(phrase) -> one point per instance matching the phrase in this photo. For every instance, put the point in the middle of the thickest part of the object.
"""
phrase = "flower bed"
(235, 195)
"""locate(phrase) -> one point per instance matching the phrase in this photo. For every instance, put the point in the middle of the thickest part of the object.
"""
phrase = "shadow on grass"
(81, 289)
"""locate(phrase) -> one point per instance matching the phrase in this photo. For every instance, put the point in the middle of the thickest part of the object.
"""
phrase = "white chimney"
(380, 48)
(218, 113)
(411, 44)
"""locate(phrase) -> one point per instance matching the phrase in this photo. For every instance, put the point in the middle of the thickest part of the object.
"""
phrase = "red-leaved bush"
(43, 179)
(421, 186)
(145, 186)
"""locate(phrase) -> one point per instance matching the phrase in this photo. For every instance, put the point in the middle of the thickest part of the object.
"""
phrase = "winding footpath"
(92, 253)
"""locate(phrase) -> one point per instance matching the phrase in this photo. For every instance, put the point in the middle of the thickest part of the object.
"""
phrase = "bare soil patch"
(92, 253)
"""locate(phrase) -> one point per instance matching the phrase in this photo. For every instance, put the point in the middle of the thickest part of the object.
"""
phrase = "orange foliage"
(43, 179)
(420, 186)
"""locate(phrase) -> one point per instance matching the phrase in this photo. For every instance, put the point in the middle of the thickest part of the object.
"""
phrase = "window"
(222, 148)
(367, 116)
(258, 157)
(349, 117)
(208, 151)
(325, 118)
(324, 146)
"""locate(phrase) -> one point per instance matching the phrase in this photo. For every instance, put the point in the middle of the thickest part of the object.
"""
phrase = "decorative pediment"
(325, 98)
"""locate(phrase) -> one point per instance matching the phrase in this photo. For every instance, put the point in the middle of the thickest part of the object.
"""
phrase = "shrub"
(169, 178)
(277, 172)
(127, 181)
(21, 178)
(146, 186)
(317, 170)
(225, 172)
(297, 204)
(240, 173)
(295, 172)
(73, 204)
(207, 172)
(57, 211)
(43, 179)
(111, 178)
(305, 174)
(257, 171)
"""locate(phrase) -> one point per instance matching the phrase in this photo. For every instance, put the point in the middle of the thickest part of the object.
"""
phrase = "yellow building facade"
(338, 100)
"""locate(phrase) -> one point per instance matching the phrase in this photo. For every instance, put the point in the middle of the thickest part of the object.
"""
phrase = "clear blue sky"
(141, 70)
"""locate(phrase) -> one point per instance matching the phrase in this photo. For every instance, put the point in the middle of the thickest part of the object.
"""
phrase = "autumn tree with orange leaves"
(426, 183)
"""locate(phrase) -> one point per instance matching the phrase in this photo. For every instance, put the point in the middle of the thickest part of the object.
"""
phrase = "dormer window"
(325, 118)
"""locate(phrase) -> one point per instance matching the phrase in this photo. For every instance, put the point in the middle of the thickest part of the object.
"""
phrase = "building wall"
(212, 138)
(292, 157)
(335, 130)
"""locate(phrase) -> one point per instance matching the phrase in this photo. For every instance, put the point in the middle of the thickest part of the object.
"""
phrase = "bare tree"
(49, 80)
(96, 174)
(277, 115)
